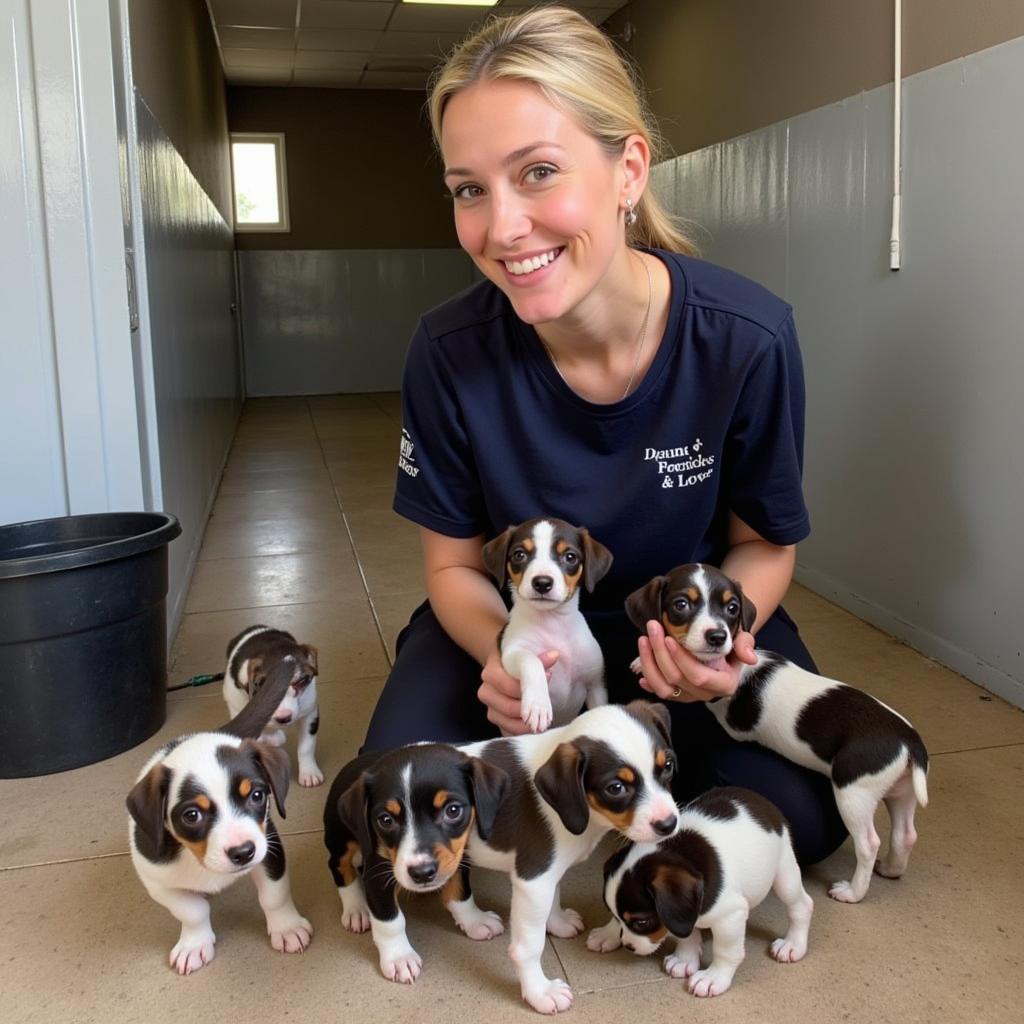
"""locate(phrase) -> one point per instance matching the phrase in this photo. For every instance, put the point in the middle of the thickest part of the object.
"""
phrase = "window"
(261, 189)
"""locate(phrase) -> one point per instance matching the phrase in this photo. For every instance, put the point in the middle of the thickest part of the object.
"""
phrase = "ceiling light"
(454, 3)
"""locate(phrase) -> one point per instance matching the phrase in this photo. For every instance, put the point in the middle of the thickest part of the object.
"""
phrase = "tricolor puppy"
(544, 561)
(251, 656)
(732, 847)
(402, 820)
(870, 752)
(609, 769)
(200, 819)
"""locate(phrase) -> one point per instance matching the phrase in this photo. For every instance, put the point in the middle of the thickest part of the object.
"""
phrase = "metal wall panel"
(321, 321)
(914, 468)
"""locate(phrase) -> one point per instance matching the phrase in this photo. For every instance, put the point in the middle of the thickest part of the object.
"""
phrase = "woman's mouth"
(523, 268)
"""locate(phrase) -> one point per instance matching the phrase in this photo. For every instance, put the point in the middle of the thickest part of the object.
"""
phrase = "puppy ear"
(274, 761)
(597, 559)
(147, 802)
(311, 656)
(491, 785)
(678, 893)
(251, 674)
(655, 712)
(560, 782)
(353, 812)
(748, 612)
(645, 604)
(495, 555)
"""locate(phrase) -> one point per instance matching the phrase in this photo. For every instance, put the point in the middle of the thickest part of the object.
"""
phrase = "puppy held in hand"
(402, 819)
(543, 562)
(252, 655)
(870, 752)
(200, 819)
(732, 848)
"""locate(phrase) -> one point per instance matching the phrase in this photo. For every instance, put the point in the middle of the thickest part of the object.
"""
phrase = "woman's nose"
(509, 222)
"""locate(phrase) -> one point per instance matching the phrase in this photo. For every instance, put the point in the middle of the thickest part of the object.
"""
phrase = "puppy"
(402, 819)
(870, 752)
(200, 819)
(543, 561)
(251, 655)
(731, 848)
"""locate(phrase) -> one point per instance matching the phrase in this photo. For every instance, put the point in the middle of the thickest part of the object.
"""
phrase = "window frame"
(283, 223)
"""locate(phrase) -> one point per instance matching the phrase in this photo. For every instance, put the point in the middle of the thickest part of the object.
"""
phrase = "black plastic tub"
(83, 638)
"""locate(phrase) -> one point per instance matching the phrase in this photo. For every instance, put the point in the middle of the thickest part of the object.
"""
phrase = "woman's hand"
(672, 673)
(502, 694)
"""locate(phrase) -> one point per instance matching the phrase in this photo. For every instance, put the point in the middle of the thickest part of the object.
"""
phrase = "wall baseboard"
(969, 665)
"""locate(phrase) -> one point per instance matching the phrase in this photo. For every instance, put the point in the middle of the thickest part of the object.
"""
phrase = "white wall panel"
(322, 321)
(914, 467)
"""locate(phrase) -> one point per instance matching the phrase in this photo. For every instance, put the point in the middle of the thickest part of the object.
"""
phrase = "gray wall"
(914, 470)
(320, 321)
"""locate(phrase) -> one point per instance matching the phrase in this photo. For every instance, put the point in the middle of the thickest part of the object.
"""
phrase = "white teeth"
(518, 267)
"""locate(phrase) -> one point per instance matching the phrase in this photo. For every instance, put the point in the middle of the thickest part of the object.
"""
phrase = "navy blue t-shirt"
(492, 435)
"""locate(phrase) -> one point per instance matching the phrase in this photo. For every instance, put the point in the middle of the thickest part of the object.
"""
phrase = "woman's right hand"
(502, 694)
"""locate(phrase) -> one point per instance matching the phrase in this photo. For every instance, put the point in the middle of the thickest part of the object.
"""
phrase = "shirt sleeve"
(437, 482)
(765, 446)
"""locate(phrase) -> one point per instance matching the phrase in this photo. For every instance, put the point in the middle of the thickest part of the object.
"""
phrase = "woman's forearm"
(764, 570)
(468, 607)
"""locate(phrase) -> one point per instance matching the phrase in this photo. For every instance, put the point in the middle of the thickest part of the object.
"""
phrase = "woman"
(603, 375)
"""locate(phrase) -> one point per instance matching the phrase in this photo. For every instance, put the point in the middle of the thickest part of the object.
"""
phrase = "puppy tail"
(253, 718)
(919, 778)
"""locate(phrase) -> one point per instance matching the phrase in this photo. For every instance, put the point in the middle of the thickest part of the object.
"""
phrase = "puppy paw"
(636, 668)
(403, 967)
(887, 870)
(786, 951)
(310, 775)
(555, 997)
(292, 935)
(356, 921)
(843, 892)
(564, 923)
(478, 924)
(606, 938)
(192, 952)
(536, 714)
(681, 966)
(712, 981)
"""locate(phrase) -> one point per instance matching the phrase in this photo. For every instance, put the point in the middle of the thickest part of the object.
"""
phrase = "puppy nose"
(543, 584)
(423, 873)
(282, 719)
(666, 826)
(242, 854)
(716, 637)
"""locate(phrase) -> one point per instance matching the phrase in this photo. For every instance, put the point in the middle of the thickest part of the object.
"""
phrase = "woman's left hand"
(672, 673)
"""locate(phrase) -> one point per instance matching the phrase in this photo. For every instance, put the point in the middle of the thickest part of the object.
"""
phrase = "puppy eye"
(258, 797)
(518, 556)
(192, 816)
(642, 924)
(571, 558)
(453, 812)
(385, 821)
(680, 604)
(669, 767)
(615, 788)
(732, 608)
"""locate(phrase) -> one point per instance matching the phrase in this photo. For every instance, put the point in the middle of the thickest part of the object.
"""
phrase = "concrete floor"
(302, 538)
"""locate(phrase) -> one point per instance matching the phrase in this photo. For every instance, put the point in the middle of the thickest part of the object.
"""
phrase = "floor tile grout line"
(971, 750)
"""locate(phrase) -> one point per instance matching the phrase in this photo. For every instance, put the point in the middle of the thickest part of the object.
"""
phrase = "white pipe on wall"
(894, 237)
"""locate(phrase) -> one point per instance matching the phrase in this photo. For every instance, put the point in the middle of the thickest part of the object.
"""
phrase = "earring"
(631, 217)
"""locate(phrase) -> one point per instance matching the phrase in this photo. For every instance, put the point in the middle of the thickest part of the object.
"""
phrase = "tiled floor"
(302, 537)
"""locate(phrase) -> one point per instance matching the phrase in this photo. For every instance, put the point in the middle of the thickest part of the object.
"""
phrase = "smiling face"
(538, 201)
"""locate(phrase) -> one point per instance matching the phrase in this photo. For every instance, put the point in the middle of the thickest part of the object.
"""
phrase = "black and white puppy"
(543, 562)
(733, 847)
(870, 752)
(200, 819)
(251, 656)
(403, 819)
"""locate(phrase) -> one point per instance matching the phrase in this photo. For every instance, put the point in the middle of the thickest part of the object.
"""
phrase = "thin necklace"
(641, 338)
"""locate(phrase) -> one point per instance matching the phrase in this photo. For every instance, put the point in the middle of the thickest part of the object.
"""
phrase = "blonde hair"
(579, 70)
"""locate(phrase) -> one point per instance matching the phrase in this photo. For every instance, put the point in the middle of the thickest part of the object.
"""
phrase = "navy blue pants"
(431, 695)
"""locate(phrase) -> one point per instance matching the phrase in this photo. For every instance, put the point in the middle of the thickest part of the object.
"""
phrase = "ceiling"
(355, 44)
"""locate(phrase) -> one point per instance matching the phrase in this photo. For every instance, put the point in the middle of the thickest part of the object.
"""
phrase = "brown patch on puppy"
(449, 857)
(203, 802)
(388, 852)
(393, 807)
(244, 788)
(453, 890)
(346, 865)
(622, 820)
(676, 630)
(440, 798)
(198, 848)
(627, 775)
(660, 759)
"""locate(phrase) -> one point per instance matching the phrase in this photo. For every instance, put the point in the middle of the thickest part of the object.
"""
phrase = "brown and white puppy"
(733, 846)
(402, 819)
(251, 656)
(869, 751)
(609, 769)
(200, 819)
(543, 562)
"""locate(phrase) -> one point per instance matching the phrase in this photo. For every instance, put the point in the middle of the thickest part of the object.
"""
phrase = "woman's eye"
(467, 192)
(453, 812)
(615, 789)
(537, 174)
